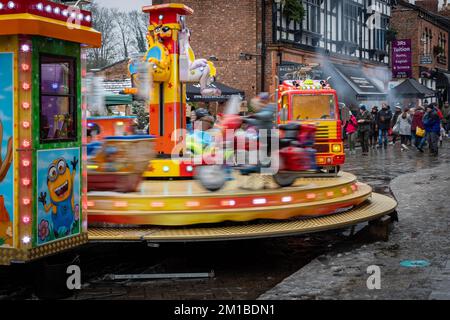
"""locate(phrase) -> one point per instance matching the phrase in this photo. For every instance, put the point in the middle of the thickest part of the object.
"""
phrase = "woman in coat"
(403, 125)
(350, 129)
(417, 123)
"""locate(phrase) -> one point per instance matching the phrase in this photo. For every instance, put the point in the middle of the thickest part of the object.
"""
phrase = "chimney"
(430, 5)
(445, 10)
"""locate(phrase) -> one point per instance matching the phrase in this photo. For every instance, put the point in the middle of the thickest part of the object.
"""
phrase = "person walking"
(442, 135)
(344, 112)
(404, 128)
(432, 125)
(373, 128)
(364, 120)
(417, 128)
(446, 117)
(351, 130)
(384, 123)
(397, 113)
(439, 112)
(412, 109)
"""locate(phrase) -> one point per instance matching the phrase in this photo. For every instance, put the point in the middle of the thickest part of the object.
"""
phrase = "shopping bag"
(396, 128)
(420, 132)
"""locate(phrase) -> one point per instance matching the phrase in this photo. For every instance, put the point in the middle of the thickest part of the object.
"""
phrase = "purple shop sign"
(401, 58)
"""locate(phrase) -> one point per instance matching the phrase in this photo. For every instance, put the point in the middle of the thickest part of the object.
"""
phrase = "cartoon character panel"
(6, 150)
(58, 205)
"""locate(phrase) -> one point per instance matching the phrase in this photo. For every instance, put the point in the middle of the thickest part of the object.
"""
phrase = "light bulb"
(26, 239)
(25, 47)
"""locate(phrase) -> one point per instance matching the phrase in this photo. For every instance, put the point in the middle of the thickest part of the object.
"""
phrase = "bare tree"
(103, 21)
(138, 24)
(123, 33)
(123, 25)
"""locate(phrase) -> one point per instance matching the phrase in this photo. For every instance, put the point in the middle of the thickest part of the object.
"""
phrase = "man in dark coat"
(373, 128)
(446, 119)
(432, 124)
(364, 120)
(384, 124)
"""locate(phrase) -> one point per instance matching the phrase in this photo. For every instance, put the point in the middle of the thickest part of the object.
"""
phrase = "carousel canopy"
(411, 88)
(48, 19)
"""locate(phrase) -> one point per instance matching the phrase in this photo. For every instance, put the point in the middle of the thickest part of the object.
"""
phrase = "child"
(442, 135)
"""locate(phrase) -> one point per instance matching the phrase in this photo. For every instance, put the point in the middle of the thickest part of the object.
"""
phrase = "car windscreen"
(313, 107)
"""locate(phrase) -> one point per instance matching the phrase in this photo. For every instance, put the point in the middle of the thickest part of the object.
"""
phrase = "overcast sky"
(138, 4)
(124, 4)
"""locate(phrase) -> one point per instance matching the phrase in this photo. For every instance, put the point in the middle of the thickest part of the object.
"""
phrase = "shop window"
(58, 103)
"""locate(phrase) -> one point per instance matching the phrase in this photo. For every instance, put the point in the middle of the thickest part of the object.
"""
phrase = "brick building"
(428, 5)
(114, 72)
(429, 34)
(222, 30)
(252, 41)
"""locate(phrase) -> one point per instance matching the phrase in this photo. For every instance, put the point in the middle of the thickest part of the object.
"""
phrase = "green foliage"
(437, 50)
(76, 227)
(391, 35)
(293, 10)
(2, 241)
(139, 109)
(251, 108)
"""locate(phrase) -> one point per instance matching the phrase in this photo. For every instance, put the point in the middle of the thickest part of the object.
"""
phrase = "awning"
(411, 88)
(193, 93)
(442, 79)
(447, 76)
(362, 86)
(56, 28)
(118, 99)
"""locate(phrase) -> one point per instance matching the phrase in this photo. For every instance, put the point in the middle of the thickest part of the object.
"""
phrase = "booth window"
(58, 103)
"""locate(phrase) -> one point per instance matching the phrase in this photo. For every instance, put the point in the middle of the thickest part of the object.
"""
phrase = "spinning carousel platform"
(166, 211)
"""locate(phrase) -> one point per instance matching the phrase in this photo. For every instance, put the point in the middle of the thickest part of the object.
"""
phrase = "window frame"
(332, 107)
(72, 95)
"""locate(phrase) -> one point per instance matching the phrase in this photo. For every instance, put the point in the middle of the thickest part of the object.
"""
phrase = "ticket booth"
(42, 175)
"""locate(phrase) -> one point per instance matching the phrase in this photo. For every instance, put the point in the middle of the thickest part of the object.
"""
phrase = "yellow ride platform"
(375, 207)
(181, 203)
(168, 168)
(175, 203)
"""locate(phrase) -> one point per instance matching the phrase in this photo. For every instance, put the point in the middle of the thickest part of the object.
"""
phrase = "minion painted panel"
(58, 195)
(6, 150)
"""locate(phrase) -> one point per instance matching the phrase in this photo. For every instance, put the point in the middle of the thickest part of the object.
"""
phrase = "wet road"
(243, 270)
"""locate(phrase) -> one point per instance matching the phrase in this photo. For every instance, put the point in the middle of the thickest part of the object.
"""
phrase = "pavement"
(422, 233)
(327, 265)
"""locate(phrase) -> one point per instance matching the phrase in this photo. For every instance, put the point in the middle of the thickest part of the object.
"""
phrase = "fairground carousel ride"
(300, 199)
